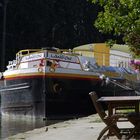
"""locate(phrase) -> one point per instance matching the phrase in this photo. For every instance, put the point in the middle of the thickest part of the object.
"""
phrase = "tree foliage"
(120, 17)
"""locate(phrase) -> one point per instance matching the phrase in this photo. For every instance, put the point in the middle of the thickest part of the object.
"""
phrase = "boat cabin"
(36, 58)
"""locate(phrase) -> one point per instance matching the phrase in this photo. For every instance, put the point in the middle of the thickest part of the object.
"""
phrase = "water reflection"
(11, 125)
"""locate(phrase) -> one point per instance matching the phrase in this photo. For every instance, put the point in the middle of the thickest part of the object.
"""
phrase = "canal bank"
(85, 128)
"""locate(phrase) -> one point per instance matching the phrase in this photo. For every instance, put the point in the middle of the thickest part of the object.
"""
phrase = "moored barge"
(46, 82)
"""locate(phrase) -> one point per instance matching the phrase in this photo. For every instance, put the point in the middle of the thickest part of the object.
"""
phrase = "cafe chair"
(134, 118)
(110, 121)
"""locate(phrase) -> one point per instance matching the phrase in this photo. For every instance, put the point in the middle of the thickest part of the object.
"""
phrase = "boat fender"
(41, 63)
(40, 69)
(52, 69)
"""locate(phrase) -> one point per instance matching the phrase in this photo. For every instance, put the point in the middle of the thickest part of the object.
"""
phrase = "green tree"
(120, 17)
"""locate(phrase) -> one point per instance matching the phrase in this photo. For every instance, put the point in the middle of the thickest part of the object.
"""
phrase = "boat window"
(69, 65)
(88, 63)
(24, 52)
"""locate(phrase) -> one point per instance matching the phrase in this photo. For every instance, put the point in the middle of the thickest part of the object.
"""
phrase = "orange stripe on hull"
(65, 76)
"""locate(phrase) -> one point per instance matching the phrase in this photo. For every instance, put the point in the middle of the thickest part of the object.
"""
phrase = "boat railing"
(131, 90)
(54, 49)
(12, 64)
(22, 53)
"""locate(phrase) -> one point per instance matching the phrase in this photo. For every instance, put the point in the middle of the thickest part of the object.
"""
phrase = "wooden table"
(120, 101)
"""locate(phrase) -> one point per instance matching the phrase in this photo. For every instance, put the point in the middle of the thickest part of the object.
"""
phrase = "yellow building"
(118, 55)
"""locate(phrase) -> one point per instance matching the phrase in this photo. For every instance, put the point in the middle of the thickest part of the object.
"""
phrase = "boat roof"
(90, 47)
(121, 47)
(87, 47)
(28, 50)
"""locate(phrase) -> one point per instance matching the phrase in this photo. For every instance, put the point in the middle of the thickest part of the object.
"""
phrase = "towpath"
(86, 128)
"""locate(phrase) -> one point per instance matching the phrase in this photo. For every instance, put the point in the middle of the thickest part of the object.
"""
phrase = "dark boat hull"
(49, 97)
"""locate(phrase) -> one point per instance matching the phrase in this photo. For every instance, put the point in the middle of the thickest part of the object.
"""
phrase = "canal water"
(12, 125)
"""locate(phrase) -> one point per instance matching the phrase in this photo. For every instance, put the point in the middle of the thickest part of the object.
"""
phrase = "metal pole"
(4, 35)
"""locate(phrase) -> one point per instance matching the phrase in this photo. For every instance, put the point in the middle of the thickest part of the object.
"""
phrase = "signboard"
(62, 57)
(32, 57)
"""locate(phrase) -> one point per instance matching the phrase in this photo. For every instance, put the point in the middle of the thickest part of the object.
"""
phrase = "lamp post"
(4, 35)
